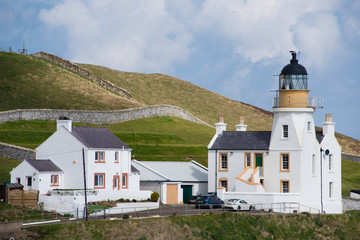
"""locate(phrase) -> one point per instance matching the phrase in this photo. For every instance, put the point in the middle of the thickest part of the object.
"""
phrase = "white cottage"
(59, 164)
(290, 164)
(176, 182)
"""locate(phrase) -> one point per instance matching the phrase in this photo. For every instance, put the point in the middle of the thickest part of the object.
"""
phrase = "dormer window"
(285, 131)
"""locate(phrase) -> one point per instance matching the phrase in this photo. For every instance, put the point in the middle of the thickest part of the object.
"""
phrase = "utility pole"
(83, 155)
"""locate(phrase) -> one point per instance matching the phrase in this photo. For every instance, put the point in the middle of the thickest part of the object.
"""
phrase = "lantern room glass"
(293, 82)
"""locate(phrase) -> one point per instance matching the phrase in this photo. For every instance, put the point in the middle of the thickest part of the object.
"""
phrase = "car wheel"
(239, 208)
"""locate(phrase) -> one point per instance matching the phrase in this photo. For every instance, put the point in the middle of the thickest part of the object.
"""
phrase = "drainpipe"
(215, 171)
(321, 180)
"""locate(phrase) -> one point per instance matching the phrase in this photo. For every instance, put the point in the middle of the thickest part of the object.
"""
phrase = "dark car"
(208, 201)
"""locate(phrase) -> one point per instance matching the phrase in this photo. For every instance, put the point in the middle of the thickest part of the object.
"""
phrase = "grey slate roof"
(242, 140)
(319, 136)
(97, 138)
(134, 169)
(43, 165)
(165, 171)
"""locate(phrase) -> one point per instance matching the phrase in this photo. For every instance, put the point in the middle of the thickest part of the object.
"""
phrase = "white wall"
(66, 152)
(22, 171)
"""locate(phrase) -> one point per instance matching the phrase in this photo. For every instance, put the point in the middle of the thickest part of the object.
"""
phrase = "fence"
(26, 198)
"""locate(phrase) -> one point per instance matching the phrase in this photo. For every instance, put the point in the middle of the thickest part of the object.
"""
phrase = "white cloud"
(128, 35)
(265, 29)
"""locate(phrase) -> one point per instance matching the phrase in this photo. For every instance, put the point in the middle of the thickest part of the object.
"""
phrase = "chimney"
(328, 125)
(220, 126)
(64, 122)
(241, 126)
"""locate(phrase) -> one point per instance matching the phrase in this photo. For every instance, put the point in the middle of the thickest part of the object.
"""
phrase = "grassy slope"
(222, 226)
(153, 89)
(6, 166)
(350, 177)
(31, 82)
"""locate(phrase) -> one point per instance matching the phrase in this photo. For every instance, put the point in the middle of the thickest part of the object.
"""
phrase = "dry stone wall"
(99, 117)
(15, 152)
(86, 73)
(351, 157)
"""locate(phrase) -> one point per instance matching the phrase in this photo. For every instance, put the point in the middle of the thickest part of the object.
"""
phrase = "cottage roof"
(242, 140)
(43, 165)
(97, 138)
(171, 171)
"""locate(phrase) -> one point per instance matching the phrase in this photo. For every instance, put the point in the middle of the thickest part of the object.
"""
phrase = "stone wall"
(351, 157)
(86, 73)
(350, 204)
(15, 152)
(98, 117)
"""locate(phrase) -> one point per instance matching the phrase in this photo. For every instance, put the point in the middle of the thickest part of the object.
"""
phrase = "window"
(331, 190)
(116, 182)
(309, 126)
(18, 180)
(223, 162)
(223, 182)
(100, 157)
(285, 131)
(117, 157)
(330, 162)
(54, 180)
(99, 180)
(29, 181)
(313, 165)
(247, 160)
(284, 162)
(285, 186)
(124, 180)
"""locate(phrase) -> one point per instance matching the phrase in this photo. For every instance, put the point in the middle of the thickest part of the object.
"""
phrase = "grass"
(350, 176)
(32, 82)
(6, 166)
(222, 226)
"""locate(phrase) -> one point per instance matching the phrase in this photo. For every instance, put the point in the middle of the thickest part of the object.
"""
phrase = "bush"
(154, 196)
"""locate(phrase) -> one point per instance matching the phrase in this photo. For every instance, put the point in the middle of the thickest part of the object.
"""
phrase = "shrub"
(154, 196)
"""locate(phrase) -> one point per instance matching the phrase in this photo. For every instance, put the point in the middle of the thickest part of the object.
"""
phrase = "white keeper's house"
(60, 162)
(292, 167)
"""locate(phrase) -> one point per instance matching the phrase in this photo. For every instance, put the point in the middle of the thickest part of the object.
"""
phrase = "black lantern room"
(293, 76)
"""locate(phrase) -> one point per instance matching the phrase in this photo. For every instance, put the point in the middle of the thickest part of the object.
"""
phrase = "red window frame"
(126, 180)
(118, 182)
(54, 177)
(99, 187)
(98, 155)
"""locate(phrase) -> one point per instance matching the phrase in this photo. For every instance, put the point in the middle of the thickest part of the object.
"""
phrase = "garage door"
(172, 194)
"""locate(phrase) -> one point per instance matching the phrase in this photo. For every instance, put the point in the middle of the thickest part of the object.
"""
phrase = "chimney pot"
(328, 117)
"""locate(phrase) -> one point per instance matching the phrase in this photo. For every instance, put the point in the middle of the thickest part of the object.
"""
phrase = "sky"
(236, 48)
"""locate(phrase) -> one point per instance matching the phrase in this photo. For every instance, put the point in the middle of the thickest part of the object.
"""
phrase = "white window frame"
(285, 133)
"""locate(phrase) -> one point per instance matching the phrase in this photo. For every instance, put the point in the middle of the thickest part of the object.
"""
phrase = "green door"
(259, 163)
(187, 192)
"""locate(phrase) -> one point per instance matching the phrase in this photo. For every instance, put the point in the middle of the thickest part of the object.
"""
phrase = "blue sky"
(232, 47)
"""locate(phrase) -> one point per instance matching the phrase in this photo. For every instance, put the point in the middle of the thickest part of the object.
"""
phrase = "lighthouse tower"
(293, 146)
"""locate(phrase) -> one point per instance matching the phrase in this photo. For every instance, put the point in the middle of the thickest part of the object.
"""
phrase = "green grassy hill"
(32, 82)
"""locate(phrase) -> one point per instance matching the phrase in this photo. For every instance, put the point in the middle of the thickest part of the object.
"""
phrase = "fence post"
(104, 213)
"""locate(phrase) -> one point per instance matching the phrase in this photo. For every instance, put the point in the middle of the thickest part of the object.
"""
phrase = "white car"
(237, 205)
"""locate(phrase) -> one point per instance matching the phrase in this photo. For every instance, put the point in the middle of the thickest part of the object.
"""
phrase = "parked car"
(237, 205)
(208, 201)
(193, 199)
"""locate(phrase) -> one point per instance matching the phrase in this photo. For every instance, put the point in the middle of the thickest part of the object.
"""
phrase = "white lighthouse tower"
(297, 148)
